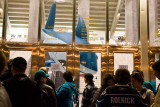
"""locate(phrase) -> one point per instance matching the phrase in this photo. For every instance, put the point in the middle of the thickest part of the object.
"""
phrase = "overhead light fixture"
(60, 0)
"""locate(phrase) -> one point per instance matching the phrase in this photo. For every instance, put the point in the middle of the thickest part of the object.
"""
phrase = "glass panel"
(1, 19)
(157, 57)
(90, 62)
(91, 22)
(56, 64)
(18, 20)
(57, 19)
(124, 60)
(123, 22)
(154, 25)
(27, 55)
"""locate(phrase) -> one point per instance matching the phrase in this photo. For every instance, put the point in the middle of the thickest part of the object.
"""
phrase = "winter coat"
(88, 93)
(23, 92)
(5, 101)
(67, 94)
(48, 97)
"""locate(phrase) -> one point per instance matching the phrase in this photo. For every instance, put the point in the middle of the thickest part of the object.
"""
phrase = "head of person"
(88, 78)
(68, 76)
(122, 76)
(138, 71)
(136, 79)
(44, 69)
(108, 80)
(156, 69)
(41, 76)
(2, 61)
(19, 65)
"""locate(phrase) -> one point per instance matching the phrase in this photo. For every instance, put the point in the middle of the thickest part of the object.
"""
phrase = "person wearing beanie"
(48, 97)
(89, 90)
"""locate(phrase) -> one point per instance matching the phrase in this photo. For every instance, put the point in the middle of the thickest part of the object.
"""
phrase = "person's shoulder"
(47, 86)
(8, 81)
(65, 85)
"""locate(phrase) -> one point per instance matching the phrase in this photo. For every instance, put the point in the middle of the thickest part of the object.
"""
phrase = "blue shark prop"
(88, 60)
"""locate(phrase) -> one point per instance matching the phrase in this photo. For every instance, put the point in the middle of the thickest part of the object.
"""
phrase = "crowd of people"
(121, 89)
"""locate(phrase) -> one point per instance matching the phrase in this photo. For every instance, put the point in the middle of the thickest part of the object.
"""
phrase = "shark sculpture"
(88, 60)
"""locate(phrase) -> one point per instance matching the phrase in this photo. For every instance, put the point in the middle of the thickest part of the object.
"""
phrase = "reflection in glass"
(90, 62)
(91, 22)
(56, 64)
(26, 55)
(57, 19)
(17, 21)
(124, 60)
(154, 25)
(123, 22)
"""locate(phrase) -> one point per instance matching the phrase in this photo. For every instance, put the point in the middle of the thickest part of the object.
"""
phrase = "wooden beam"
(116, 17)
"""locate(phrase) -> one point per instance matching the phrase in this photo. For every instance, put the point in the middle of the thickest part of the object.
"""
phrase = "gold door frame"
(152, 52)
(90, 48)
(123, 49)
(7, 47)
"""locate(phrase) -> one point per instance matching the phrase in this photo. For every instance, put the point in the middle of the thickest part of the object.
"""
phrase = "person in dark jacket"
(107, 81)
(47, 93)
(121, 94)
(89, 90)
(7, 74)
(48, 82)
(23, 92)
(67, 94)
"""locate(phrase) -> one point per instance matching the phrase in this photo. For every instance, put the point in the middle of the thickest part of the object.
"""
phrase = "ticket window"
(124, 60)
(90, 62)
(56, 65)
(27, 55)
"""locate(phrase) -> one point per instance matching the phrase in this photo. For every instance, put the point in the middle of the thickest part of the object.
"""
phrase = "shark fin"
(81, 29)
(51, 17)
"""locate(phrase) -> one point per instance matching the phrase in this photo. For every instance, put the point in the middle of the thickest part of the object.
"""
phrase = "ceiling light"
(60, 0)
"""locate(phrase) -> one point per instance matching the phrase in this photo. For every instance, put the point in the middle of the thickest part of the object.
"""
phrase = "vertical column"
(144, 38)
(131, 22)
(43, 14)
(83, 10)
(153, 25)
(33, 21)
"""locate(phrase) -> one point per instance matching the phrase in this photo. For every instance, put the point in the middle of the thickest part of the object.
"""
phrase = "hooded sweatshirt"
(67, 94)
